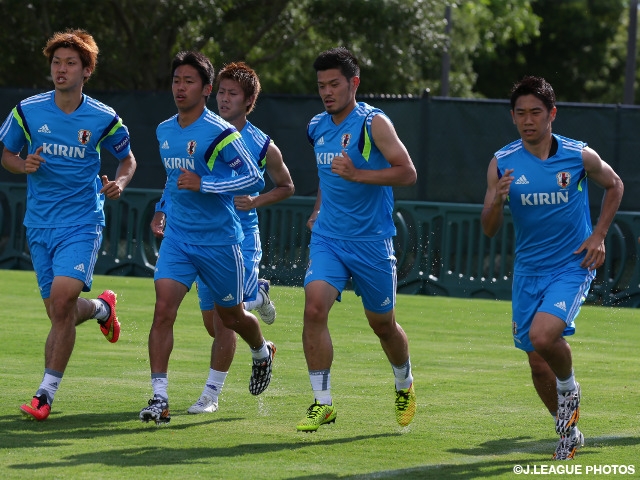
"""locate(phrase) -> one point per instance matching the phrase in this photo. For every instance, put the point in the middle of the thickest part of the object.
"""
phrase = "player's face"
(532, 119)
(232, 104)
(188, 91)
(338, 94)
(67, 71)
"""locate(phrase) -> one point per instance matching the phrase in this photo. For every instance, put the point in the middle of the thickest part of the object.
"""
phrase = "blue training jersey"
(214, 150)
(549, 203)
(64, 191)
(258, 142)
(350, 210)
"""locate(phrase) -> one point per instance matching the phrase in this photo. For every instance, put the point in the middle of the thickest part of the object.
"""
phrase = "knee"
(315, 313)
(541, 341)
(61, 308)
(383, 326)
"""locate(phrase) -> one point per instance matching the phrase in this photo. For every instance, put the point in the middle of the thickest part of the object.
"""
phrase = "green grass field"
(478, 415)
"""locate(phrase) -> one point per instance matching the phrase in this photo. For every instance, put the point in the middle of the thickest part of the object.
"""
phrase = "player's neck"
(239, 123)
(339, 117)
(68, 101)
(541, 149)
(187, 117)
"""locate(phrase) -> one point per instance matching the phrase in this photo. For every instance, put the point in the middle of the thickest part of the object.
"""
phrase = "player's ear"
(356, 82)
(207, 90)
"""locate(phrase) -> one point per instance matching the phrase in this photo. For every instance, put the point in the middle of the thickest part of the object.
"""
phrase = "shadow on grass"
(145, 456)
(470, 469)
(19, 431)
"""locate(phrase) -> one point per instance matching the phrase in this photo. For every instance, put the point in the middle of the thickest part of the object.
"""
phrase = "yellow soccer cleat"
(317, 414)
(405, 405)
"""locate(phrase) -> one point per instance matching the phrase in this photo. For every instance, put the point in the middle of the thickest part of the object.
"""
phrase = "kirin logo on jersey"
(564, 179)
(84, 136)
(191, 147)
(346, 138)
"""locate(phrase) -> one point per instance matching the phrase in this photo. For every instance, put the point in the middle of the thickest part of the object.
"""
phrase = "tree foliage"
(574, 51)
(576, 44)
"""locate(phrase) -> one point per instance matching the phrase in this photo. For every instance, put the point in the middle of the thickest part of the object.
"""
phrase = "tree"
(578, 52)
(400, 42)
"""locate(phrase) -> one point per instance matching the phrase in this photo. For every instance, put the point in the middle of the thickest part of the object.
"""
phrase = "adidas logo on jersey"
(522, 180)
(228, 298)
(386, 302)
(165, 145)
(44, 129)
(321, 141)
(561, 305)
(79, 267)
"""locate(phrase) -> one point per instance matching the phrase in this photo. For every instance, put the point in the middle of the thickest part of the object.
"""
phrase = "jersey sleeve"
(14, 132)
(116, 138)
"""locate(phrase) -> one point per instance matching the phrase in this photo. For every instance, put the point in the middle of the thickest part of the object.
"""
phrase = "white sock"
(50, 384)
(159, 383)
(214, 384)
(321, 386)
(102, 309)
(253, 304)
(260, 353)
(403, 375)
(566, 385)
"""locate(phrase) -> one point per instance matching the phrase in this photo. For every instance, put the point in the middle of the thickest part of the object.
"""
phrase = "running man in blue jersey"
(64, 131)
(359, 158)
(543, 178)
(238, 90)
(207, 163)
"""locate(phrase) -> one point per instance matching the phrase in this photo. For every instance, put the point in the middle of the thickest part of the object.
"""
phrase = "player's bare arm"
(402, 172)
(158, 222)
(281, 178)
(602, 174)
(114, 188)
(492, 214)
(316, 210)
(15, 164)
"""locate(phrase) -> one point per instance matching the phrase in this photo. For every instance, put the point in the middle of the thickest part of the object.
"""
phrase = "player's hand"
(243, 202)
(343, 166)
(312, 220)
(110, 188)
(33, 161)
(188, 180)
(504, 185)
(594, 246)
(157, 224)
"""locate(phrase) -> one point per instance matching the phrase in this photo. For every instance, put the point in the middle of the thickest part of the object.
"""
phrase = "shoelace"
(402, 400)
(314, 411)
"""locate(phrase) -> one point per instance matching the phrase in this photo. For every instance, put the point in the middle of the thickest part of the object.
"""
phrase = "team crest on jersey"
(346, 138)
(191, 147)
(84, 136)
(564, 179)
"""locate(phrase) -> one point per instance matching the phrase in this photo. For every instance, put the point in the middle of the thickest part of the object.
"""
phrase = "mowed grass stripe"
(478, 414)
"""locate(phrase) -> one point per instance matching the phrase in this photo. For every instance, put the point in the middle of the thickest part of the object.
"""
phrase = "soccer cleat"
(405, 405)
(157, 410)
(261, 372)
(317, 414)
(205, 404)
(38, 409)
(568, 411)
(267, 311)
(110, 327)
(568, 444)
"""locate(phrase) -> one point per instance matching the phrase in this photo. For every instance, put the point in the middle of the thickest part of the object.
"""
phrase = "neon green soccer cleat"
(317, 414)
(405, 405)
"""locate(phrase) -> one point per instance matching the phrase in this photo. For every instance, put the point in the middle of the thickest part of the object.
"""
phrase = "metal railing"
(440, 247)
